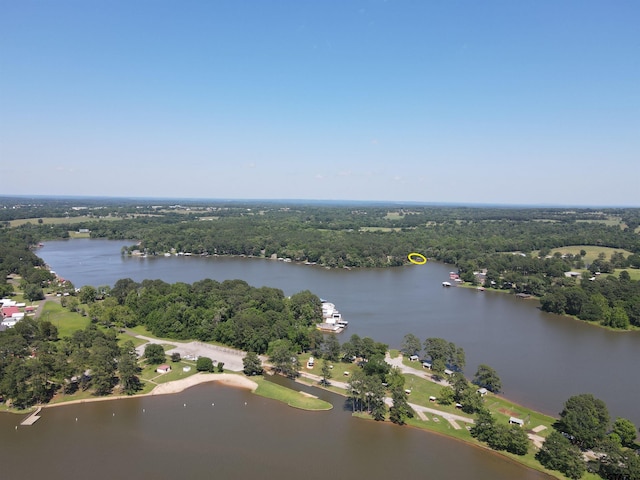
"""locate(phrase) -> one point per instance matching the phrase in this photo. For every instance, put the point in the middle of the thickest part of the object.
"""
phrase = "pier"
(33, 418)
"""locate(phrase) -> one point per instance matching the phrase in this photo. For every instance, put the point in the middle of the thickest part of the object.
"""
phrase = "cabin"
(448, 372)
(426, 365)
(164, 368)
(414, 358)
(482, 391)
(516, 421)
(432, 398)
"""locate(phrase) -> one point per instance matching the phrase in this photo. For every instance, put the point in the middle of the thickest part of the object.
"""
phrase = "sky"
(528, 102)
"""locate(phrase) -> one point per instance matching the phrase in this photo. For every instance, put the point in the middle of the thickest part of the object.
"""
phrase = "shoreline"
(176, 386)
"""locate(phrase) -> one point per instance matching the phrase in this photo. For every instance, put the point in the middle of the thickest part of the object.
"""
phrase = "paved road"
(452, 418)
(397, 362)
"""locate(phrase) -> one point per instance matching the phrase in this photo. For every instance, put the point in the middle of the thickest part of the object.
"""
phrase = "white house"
(164, 368)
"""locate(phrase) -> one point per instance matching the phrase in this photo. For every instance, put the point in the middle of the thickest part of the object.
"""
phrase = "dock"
(33, 418)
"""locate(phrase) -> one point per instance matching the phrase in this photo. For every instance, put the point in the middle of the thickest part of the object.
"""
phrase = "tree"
(154, 353)
(400, 409)
(326, 373)
(586, 418)
(375, 397)
(446, 396)
(377, 366)
(411, 345)
(557, 453)
(283, 358)
(488, 378)
(331, 348)
(33, 292)
(484, 427)
(356, 392)
(626, 430)
(204, 364)
(128, 369)
(175, 357)
(220, 367)
(618, 318)
(252, 364)
(87, 294)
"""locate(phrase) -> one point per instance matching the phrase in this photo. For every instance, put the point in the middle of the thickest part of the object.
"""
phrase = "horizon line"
(317, 201)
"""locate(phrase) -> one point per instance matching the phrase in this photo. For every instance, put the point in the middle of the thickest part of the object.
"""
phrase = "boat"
(446, 284)
(331, 318)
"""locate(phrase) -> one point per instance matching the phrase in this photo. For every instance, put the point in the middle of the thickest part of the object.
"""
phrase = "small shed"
(448, 372)
(164, 368)
(482, 391)
(516, 421)
(426, 365)
(414, 358)
(432, 398)
(186, 368)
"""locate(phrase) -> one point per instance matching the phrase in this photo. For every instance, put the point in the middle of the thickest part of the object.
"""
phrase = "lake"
(542, 359)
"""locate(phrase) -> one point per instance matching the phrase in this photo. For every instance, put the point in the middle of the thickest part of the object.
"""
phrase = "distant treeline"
(510, 246)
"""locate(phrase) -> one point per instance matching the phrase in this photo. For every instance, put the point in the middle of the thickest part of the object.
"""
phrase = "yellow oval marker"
(417, 258)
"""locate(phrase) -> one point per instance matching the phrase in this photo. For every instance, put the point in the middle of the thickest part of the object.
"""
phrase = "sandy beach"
(176, 386)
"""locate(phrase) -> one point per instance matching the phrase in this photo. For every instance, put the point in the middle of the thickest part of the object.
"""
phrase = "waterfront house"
(164, 368)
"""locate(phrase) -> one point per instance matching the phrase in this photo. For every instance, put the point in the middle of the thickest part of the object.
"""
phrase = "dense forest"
(502, 248)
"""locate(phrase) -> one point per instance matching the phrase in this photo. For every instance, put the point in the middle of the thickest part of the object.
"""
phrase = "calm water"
(542, 359)
(160, 438)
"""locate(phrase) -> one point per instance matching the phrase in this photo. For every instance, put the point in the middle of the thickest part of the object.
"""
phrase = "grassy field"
(634, 273)
(592, 251)
(58, 220)
(380, 229)
(290, 397)
(66, 322)
(611, 221)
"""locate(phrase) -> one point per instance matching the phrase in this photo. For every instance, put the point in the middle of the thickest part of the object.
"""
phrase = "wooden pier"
(33, 418)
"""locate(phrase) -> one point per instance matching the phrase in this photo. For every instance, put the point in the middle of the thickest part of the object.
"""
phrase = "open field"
(380, 229)
(59, 220)
(592, 251)
(65, 321)
(634, 273)
(611, 221)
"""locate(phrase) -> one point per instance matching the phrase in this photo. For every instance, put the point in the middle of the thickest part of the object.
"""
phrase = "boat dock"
(33, 418)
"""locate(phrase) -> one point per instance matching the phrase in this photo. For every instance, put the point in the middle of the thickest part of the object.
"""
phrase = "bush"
(204, 364)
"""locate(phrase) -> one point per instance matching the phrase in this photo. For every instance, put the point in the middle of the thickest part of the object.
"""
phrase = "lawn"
(290, 397)
(65, 321)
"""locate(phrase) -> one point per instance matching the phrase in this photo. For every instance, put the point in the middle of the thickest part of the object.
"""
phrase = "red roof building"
(8, 311)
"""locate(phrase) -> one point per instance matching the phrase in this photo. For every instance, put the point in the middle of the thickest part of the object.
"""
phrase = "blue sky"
(508, 102)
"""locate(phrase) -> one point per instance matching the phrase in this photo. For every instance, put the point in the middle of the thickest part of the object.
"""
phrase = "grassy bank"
(292, 398)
